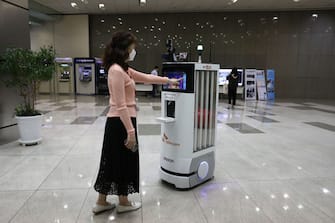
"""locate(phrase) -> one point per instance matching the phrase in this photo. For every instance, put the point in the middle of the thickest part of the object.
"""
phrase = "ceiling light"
(84, 1)
(74, 5)
(275, 18)
(143, 2)
(101, 6)
(234, 1)
(102, 20)
(315, 15)
(296, 0)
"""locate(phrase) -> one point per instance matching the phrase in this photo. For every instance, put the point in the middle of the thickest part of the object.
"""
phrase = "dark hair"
(156, 67)
(116, 50)
(234, 71)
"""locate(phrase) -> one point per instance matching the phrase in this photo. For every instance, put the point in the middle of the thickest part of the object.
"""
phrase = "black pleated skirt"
(119, 166)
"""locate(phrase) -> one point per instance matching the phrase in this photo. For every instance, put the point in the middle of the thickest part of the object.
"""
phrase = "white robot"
(188, 124)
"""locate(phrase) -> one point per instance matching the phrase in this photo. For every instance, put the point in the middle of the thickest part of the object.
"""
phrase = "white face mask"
(132, 55)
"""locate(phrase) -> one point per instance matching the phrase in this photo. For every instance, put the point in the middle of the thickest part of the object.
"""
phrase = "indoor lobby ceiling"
(159, 6)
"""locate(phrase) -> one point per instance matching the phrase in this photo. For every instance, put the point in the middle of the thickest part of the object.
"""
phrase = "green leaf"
(26, 69)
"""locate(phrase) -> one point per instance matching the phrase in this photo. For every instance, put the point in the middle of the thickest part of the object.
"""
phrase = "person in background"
(119, 165)
(154, 86)
(232, 86)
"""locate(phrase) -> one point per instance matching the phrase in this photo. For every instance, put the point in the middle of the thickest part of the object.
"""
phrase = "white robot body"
(189, 124)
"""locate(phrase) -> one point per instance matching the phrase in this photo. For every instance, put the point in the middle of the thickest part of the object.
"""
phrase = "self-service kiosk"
(101, 78)
(85, 75)
(188, 123)
(64, 81)
(47, 87)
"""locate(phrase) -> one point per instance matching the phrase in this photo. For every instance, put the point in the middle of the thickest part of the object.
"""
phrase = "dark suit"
(232, 87)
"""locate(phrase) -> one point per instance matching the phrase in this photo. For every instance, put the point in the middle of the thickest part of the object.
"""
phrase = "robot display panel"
(186, 75)
(177, 75)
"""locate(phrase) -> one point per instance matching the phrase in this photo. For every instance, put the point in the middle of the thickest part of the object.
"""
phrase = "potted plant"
(26, 69)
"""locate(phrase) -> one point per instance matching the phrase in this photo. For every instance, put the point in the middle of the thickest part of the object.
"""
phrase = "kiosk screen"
(177, 75)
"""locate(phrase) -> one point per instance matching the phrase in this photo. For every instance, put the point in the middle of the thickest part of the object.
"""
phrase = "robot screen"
(177, 75)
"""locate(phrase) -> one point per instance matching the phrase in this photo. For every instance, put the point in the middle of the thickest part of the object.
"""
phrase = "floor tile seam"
(276, 180)
(281, 158)
(310, 203)
(12, 191)
(74, 144)
(21, 163)
(18, 162)
(24, 203)
(243, 190)
(56, 166)
(141, 200)
(82, 205)
(202, 210)
(63, 188)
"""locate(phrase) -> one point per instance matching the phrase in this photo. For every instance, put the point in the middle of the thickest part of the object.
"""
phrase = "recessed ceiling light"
(315, 15)
(296, 0)
(74, 5)
(101, 6)
(275, 18)
(84, 1)
(143, 2)
(102, 20)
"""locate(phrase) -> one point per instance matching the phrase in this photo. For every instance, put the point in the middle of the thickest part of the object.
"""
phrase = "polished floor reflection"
(283, 174)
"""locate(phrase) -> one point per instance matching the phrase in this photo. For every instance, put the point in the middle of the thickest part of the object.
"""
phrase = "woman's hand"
(131, 141)
(175, 81)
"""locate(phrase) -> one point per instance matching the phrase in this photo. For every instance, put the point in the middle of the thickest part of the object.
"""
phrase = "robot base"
(201, 170)
(183, 182)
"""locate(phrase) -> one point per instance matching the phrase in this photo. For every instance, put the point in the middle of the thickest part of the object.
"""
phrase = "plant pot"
(30, 129)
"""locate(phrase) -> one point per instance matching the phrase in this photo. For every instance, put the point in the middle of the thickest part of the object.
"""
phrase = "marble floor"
(275, 162)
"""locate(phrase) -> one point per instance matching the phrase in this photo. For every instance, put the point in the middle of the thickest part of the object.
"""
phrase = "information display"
(250, 84)
(261, 86)
(223, 74)
(270, 84)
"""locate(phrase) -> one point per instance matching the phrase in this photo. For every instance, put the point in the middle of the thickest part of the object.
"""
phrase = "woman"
(119, 165)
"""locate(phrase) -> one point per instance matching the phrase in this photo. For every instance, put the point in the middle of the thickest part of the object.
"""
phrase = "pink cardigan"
(121, 87)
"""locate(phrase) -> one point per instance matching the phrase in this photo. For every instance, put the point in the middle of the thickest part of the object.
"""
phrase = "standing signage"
(250, 84)
(261, 85)
(270, 84)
